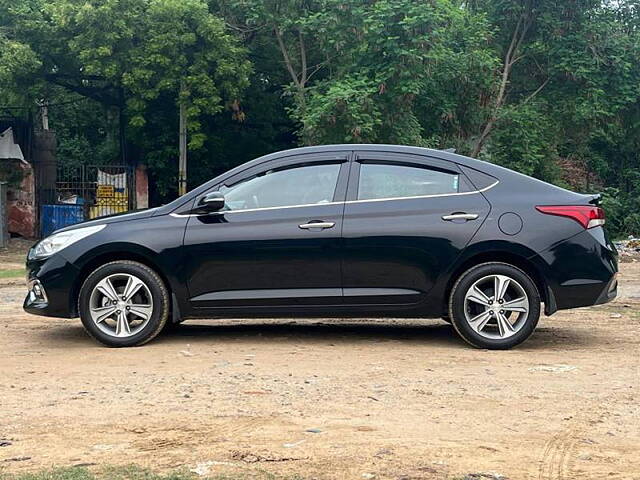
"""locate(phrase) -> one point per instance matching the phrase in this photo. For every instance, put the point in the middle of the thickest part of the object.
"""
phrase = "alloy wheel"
(121, 305)
(496, 306)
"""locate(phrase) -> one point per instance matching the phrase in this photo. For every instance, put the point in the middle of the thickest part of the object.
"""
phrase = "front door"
(277, 242)
(407, 218)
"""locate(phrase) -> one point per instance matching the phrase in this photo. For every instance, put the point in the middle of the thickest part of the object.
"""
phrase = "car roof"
(380, 147)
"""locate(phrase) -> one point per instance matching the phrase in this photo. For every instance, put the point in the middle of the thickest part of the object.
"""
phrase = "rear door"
(277, 243)
(406, 219)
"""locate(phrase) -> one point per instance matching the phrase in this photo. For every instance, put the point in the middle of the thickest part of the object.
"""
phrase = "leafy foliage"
(549, 88)
(137, 56)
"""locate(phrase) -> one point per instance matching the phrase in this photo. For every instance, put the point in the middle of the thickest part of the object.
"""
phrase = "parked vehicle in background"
(338, 231)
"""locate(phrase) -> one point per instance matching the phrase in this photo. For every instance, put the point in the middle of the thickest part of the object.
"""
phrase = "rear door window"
(379, 180)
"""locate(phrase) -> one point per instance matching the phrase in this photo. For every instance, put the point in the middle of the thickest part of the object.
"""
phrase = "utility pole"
(182, 161)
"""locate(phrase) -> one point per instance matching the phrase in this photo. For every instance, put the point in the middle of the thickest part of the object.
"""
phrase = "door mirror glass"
(211, 202)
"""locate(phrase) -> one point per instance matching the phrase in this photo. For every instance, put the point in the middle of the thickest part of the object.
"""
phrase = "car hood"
(118, 217)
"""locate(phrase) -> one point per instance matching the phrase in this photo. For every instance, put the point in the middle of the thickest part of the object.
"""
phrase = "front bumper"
(50, 282)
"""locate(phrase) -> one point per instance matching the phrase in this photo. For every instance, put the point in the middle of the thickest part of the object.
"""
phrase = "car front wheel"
(494, 305)
(123, 304)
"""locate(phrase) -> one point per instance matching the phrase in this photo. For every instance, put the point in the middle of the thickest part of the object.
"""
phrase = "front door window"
(300, 185)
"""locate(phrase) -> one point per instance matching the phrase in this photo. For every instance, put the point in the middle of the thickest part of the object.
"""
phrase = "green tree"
(366, 71)
(129, 54)
(549, 88)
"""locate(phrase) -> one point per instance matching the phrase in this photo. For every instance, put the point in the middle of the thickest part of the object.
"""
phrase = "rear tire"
(123, 304)
(494, 305)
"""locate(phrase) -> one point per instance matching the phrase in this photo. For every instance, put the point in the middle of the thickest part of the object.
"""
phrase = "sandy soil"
(12, 258)
(329, 399)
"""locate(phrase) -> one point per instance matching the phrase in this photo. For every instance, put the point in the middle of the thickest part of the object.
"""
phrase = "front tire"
(494, 305)
(123, 304)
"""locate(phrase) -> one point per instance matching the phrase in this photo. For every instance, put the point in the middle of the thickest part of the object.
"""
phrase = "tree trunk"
(510, 58)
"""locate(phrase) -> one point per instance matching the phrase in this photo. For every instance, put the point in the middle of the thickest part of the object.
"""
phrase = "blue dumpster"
(53, 217)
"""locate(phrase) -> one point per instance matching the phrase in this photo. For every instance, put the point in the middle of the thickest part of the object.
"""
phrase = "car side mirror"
(211, 202)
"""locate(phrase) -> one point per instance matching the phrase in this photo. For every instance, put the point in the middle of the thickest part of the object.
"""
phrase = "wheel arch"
(111, 256)
(518, 260)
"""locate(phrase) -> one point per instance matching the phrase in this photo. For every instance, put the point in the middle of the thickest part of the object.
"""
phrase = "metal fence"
(4, 216)
(86, 192)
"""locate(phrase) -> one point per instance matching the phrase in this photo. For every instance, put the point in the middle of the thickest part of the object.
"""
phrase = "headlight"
(56, 242)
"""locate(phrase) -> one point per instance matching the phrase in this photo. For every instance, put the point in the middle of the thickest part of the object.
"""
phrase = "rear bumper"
(580, 272)
(609, 293)
(50, 282)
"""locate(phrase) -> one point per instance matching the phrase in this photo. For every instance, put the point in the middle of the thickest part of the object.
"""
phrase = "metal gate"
(86, 192)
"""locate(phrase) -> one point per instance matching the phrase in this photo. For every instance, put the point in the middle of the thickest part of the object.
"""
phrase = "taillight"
(587, 216)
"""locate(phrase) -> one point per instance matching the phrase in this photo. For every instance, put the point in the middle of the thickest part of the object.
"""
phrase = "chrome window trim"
(424, 196)
(225, 212)
(254, 209)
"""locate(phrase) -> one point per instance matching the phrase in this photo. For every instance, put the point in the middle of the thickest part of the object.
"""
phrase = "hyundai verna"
(338, 231)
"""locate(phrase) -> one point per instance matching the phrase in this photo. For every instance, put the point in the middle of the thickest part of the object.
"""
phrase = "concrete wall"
(21, 213)
(4, 231)
(142, 188)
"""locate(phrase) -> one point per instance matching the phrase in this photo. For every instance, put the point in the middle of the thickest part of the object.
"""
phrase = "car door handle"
(320, 225)
(460, 216)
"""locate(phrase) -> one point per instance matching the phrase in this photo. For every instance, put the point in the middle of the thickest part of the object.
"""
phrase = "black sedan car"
(339, 231)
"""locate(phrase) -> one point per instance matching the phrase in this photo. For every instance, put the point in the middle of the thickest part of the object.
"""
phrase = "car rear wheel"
(123, 304)
(494, 305)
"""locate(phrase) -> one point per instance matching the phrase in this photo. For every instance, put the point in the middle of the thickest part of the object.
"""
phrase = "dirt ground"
(329, 398)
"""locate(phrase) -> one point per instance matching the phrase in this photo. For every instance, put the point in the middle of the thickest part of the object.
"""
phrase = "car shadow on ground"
(429, 332)
(316, 332)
